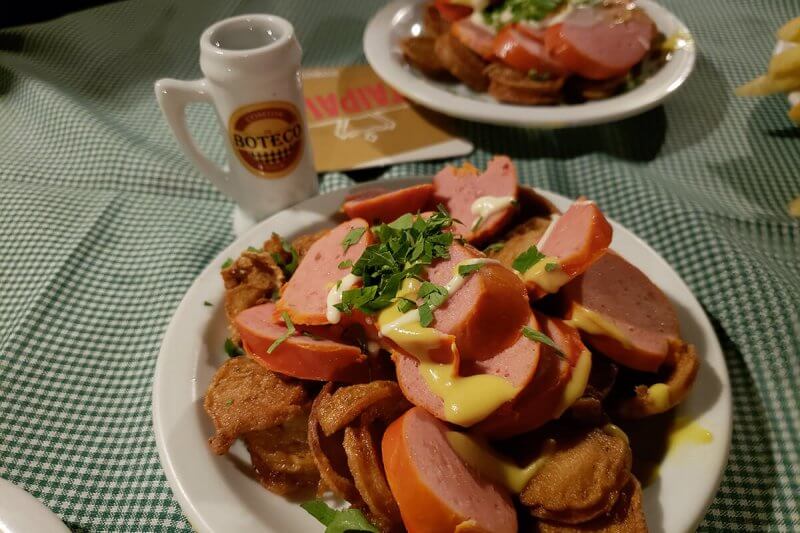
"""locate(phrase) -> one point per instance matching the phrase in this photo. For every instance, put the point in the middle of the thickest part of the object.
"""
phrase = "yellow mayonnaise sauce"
(687, 431)
(491, 465)
(577, 382)
(549, 281)
(592, 322)
(658, 393)
(467, 399)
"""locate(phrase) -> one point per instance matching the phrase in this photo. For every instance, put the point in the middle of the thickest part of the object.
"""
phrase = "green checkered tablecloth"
(104, 225)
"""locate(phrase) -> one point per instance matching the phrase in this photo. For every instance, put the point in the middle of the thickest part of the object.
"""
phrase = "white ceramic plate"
(22, 513)
(403, 18)
(218, 495)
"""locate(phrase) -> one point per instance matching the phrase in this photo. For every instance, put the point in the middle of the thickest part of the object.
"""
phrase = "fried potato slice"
(303, 242)
(282, 458)
(510, 85)
(627, 516)
(329, 455)
(677, 377)
(244, 397)
(363, 458)
(251, 280)
(589, 407)
(374, 400)
(582, 478)
(462, 62)
(601, 89)
(433, 22)
(419, 51)
(519, 239)
(765, 85)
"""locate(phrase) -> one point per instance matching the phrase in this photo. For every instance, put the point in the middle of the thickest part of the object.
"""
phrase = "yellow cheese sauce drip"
(577, 382)
(491, 465)
(591, 322)
(658, 393)
(549, 281)
(686, 431)
(467, 399)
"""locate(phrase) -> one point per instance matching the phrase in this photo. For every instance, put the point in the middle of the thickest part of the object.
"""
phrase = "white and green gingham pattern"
(104, 225)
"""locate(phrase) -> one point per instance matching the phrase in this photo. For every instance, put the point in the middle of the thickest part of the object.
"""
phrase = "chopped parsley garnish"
(463, 270)
(228, 262)
(350, 519)
(207, 303)
(404, 247)
(425, 315)
(347, 263)
(352, 237)
(253, 249)
(538, 336)
(289, 266)
(232, 349)
(527, 259)
(289, 332)
(549, 267)
(494, 247)
(477, 223)
(404, 305)
(519, 10)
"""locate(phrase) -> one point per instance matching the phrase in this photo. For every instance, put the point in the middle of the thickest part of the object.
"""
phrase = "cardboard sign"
(356, 121)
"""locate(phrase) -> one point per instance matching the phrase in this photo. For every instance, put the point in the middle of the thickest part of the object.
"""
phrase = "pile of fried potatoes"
(783, 73)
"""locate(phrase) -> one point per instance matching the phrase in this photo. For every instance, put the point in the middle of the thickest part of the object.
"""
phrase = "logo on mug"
(267, 137)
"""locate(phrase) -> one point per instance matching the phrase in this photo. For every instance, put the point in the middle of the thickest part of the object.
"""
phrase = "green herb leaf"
(509, 11)
(253, 249)
(352, 237)
(527, 259)
(350, 519)
(347, 263)
(494, 247)
(538, 336)
(290, 266)
(232, 349)
(403, 222)
(464, 270)
(228, 262)
(549, 267)
(289, 332)
(311, 336)
(404, 305)
(477, 223)
(425, 315)
(207, 303)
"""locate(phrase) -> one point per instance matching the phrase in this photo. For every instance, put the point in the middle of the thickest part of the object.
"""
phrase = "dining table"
(104, 225)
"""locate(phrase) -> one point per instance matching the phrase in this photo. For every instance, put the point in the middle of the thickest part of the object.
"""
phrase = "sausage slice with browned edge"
(601, 42)
(458, 188)
(299, 356)
(544, 398)
(517, 364)
(576, 239)
(637, 325)
(387, 206)
(305, 297)
(435, 490)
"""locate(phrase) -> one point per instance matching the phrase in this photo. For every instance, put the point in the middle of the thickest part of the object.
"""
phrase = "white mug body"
(251, 65)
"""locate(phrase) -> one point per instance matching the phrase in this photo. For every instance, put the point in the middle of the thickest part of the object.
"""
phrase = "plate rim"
(428, 94)
(196, 516)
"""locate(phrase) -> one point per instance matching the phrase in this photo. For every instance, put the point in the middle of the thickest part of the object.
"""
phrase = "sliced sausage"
(578, 238)
(435, 490)
(601, 42)
(462, 62)
(518, 364)
(485, 315)
(387, 206)
(457, 189)
(542, 399)
(299, 356)
(476, 38)
(519, 50)
(305, 297)
(452, 11)
(624, 296)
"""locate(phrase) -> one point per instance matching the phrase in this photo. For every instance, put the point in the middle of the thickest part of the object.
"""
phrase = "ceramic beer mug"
(251, 65)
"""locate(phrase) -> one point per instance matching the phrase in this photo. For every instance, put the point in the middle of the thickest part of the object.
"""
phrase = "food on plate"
(452, 357)
(783, 72)
(539, 52)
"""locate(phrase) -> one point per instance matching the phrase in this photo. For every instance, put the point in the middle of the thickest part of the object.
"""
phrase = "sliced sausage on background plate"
(435, 490)
(389, 205)
(458, 188)
(305, 297)
(299, 356)
(599, 43)
(517, 49)
(476, 38)
(624, 296)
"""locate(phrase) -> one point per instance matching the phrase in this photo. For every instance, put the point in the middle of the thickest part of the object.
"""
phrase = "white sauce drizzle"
(335, 297)
(455, 283)
(486, 206)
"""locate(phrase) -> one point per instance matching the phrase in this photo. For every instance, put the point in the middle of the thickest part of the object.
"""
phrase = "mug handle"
(173, 96)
